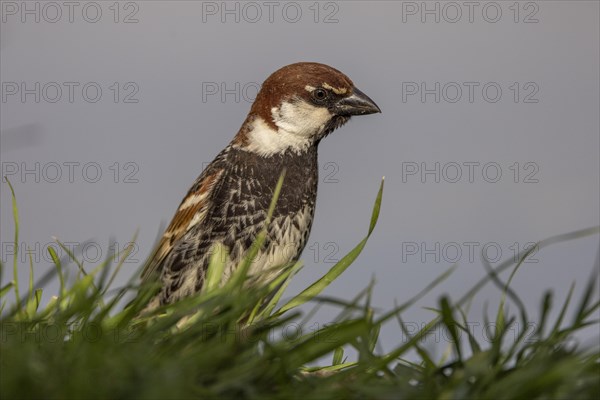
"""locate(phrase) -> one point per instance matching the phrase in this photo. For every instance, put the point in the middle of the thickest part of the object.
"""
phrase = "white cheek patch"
(301, 118)
(264, 140)
(298, 124)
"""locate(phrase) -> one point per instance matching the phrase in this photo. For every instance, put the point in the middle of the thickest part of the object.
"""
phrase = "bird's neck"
(271, 139)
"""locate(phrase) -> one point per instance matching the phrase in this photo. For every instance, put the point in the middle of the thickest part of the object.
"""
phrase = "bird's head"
(297, 106)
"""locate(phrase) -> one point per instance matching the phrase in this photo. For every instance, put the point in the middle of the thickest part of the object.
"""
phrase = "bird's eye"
(320, 94)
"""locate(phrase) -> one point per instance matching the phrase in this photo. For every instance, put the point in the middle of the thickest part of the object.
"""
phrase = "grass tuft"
(233, 341)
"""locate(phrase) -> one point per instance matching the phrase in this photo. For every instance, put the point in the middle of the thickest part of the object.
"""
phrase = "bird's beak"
(356, 104)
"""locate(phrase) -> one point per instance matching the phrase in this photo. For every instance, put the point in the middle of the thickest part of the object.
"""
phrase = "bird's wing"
(191, 212)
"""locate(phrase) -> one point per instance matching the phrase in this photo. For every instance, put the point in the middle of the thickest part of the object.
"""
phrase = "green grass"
(223, 343)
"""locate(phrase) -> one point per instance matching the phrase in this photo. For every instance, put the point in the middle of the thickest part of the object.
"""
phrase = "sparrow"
(296, 107)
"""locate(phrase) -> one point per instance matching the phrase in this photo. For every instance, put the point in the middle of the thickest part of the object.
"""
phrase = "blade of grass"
(6, 288)
(563, 309)
(15, 211)
(500, 313)
(338, 356)
(397, 310)
(324, 341)
(32, 303)
(58, 265)
(287, 276)
(544, 243)
(216, 266)
(506, 290)
(587, 295)
(71, 255)
(339, 267)
(128, 249)
(450, 323)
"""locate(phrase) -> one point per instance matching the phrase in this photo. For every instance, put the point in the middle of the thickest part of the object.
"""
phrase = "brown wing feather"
(193, 206)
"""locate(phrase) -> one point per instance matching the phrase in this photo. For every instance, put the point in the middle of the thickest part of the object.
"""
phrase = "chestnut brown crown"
(318, 84)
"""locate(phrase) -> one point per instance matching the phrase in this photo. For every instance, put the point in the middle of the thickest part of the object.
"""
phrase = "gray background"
(176, 52)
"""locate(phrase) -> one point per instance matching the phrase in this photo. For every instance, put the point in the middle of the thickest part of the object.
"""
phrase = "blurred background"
(489, 137)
